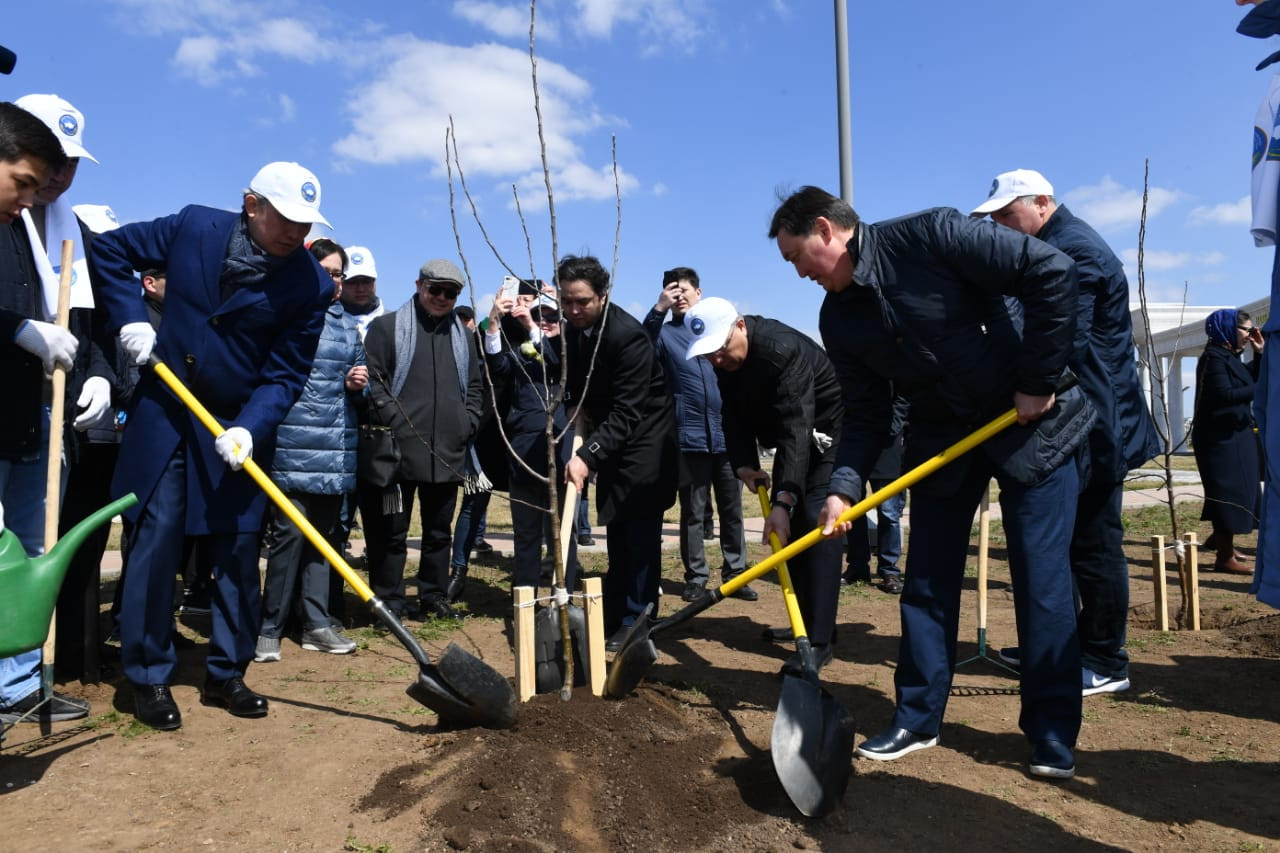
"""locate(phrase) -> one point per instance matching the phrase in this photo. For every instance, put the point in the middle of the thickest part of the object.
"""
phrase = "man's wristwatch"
(788, 505)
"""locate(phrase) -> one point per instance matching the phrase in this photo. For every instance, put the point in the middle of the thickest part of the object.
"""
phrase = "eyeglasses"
(336, 275)
(724, 350)
(1248, 330)
(440, 290)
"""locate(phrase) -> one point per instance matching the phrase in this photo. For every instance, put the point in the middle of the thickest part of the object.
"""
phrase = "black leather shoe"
(821, 657)
(154, 706)
(851, 577)
(891, 584)
(693, 591)
(895, 743)
(235, 696)
(457, 582)
(615, 641)
(438, 608)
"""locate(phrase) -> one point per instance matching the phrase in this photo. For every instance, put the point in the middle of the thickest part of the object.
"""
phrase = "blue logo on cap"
(69, 125)
(995, 185)
(357, 259)
(697, 326)
(308, 192)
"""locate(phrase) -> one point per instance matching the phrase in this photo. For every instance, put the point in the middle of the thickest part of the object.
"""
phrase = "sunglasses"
(440, 290)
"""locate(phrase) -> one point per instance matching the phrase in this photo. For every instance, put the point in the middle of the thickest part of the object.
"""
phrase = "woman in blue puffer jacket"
(315, 465)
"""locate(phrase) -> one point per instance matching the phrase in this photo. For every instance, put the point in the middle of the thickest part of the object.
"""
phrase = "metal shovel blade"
(549, 648)
(465, 691)
(632, 661)
(812, 746)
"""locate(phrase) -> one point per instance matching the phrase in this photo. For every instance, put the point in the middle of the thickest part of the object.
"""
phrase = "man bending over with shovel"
(920, 302)
(779, 390)
(243, 310)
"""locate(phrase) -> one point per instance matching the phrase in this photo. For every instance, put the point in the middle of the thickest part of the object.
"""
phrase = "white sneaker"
(1091, 683)
(268, 649)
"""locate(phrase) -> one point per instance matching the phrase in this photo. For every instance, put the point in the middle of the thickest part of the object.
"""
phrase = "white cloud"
(1107, 204)
(1159, 260)
(402, 115)
(1237, 212)
(506, 21)
(674, 22)
(288, 109)
(198, 57)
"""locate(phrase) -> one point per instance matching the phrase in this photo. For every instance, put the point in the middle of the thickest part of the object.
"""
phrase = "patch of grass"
(356, 846)
(133, 728)
(352, 674)
(1183, 731)
(1141, 523)
(111, 718)
(1227, 755)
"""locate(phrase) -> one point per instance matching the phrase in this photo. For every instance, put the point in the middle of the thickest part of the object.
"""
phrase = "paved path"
(1186, 487)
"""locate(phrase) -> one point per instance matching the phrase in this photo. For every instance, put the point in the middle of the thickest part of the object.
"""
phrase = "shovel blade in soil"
(812, 746)
(633, 660)
(465, 691)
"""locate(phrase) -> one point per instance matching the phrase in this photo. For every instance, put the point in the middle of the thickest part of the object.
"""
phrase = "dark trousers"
(390, 532)
(1038, 523)
(710, 472)
(635, 568)
(815, 573)
(531, 524)
(1102, 579)
(295, 569)
(88, 490)
(146, 609)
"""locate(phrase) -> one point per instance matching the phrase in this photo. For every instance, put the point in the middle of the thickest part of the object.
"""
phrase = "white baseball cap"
(1010, 185)
(292, 190)
(66, 122)
(99, 217)
(709, 321)
(360, 262)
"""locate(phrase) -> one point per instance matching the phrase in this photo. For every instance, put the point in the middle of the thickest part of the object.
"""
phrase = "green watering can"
(29, 585)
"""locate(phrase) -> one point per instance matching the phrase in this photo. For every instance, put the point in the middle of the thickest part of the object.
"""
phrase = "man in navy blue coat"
(1124, 435)
(244, 308)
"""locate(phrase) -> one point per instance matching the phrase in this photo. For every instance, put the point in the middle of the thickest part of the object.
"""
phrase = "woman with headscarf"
(1223, 436)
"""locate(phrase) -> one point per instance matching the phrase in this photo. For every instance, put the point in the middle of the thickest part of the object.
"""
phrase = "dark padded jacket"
(927, 312)
(1124, 436)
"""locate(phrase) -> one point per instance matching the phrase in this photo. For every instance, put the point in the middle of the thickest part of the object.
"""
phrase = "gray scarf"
(406, 325)
(244, 264)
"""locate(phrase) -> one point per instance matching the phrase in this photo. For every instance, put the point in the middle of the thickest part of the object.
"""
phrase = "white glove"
(95, 399)
(49, 342)
(822, 441)
(234, 446)
(138, 340)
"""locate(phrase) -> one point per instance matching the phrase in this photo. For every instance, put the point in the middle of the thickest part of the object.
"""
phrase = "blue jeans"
(22, 494)
(469, 527)
(1102, 579)
(888, 536)
(1038, 522)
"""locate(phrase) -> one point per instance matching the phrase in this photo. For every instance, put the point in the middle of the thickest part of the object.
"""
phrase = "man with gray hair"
(425, 384)
(243, 310)
(1124, 435)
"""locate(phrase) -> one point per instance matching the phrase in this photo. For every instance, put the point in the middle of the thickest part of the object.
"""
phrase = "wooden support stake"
(1161, 582)
(984, 554)
(592, 591)
(526, 653)
(1193, 572)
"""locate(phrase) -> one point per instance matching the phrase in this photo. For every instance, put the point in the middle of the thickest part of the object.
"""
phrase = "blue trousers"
(888, 536)
(1038, 521)
(23, 490)
(146, 606)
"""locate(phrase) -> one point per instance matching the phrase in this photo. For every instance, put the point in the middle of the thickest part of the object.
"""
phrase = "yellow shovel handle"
(874, 499)
(273, 491)
(784, 575)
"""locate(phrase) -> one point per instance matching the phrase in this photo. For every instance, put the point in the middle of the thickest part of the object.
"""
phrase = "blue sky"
(714, 105)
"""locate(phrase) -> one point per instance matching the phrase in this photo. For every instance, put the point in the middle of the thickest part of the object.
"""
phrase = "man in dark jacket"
(424, 383)
(701, 437)
(919, 302)
(779, 390)
(615, 381)
(1124, 436)
(243, 312)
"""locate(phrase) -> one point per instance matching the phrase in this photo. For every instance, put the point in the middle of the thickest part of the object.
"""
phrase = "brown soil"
(1188, 759)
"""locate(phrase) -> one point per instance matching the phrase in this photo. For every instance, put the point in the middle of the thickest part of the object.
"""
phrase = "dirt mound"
(648, 772)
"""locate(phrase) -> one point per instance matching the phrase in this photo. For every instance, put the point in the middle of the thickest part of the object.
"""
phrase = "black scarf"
(245, 264)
